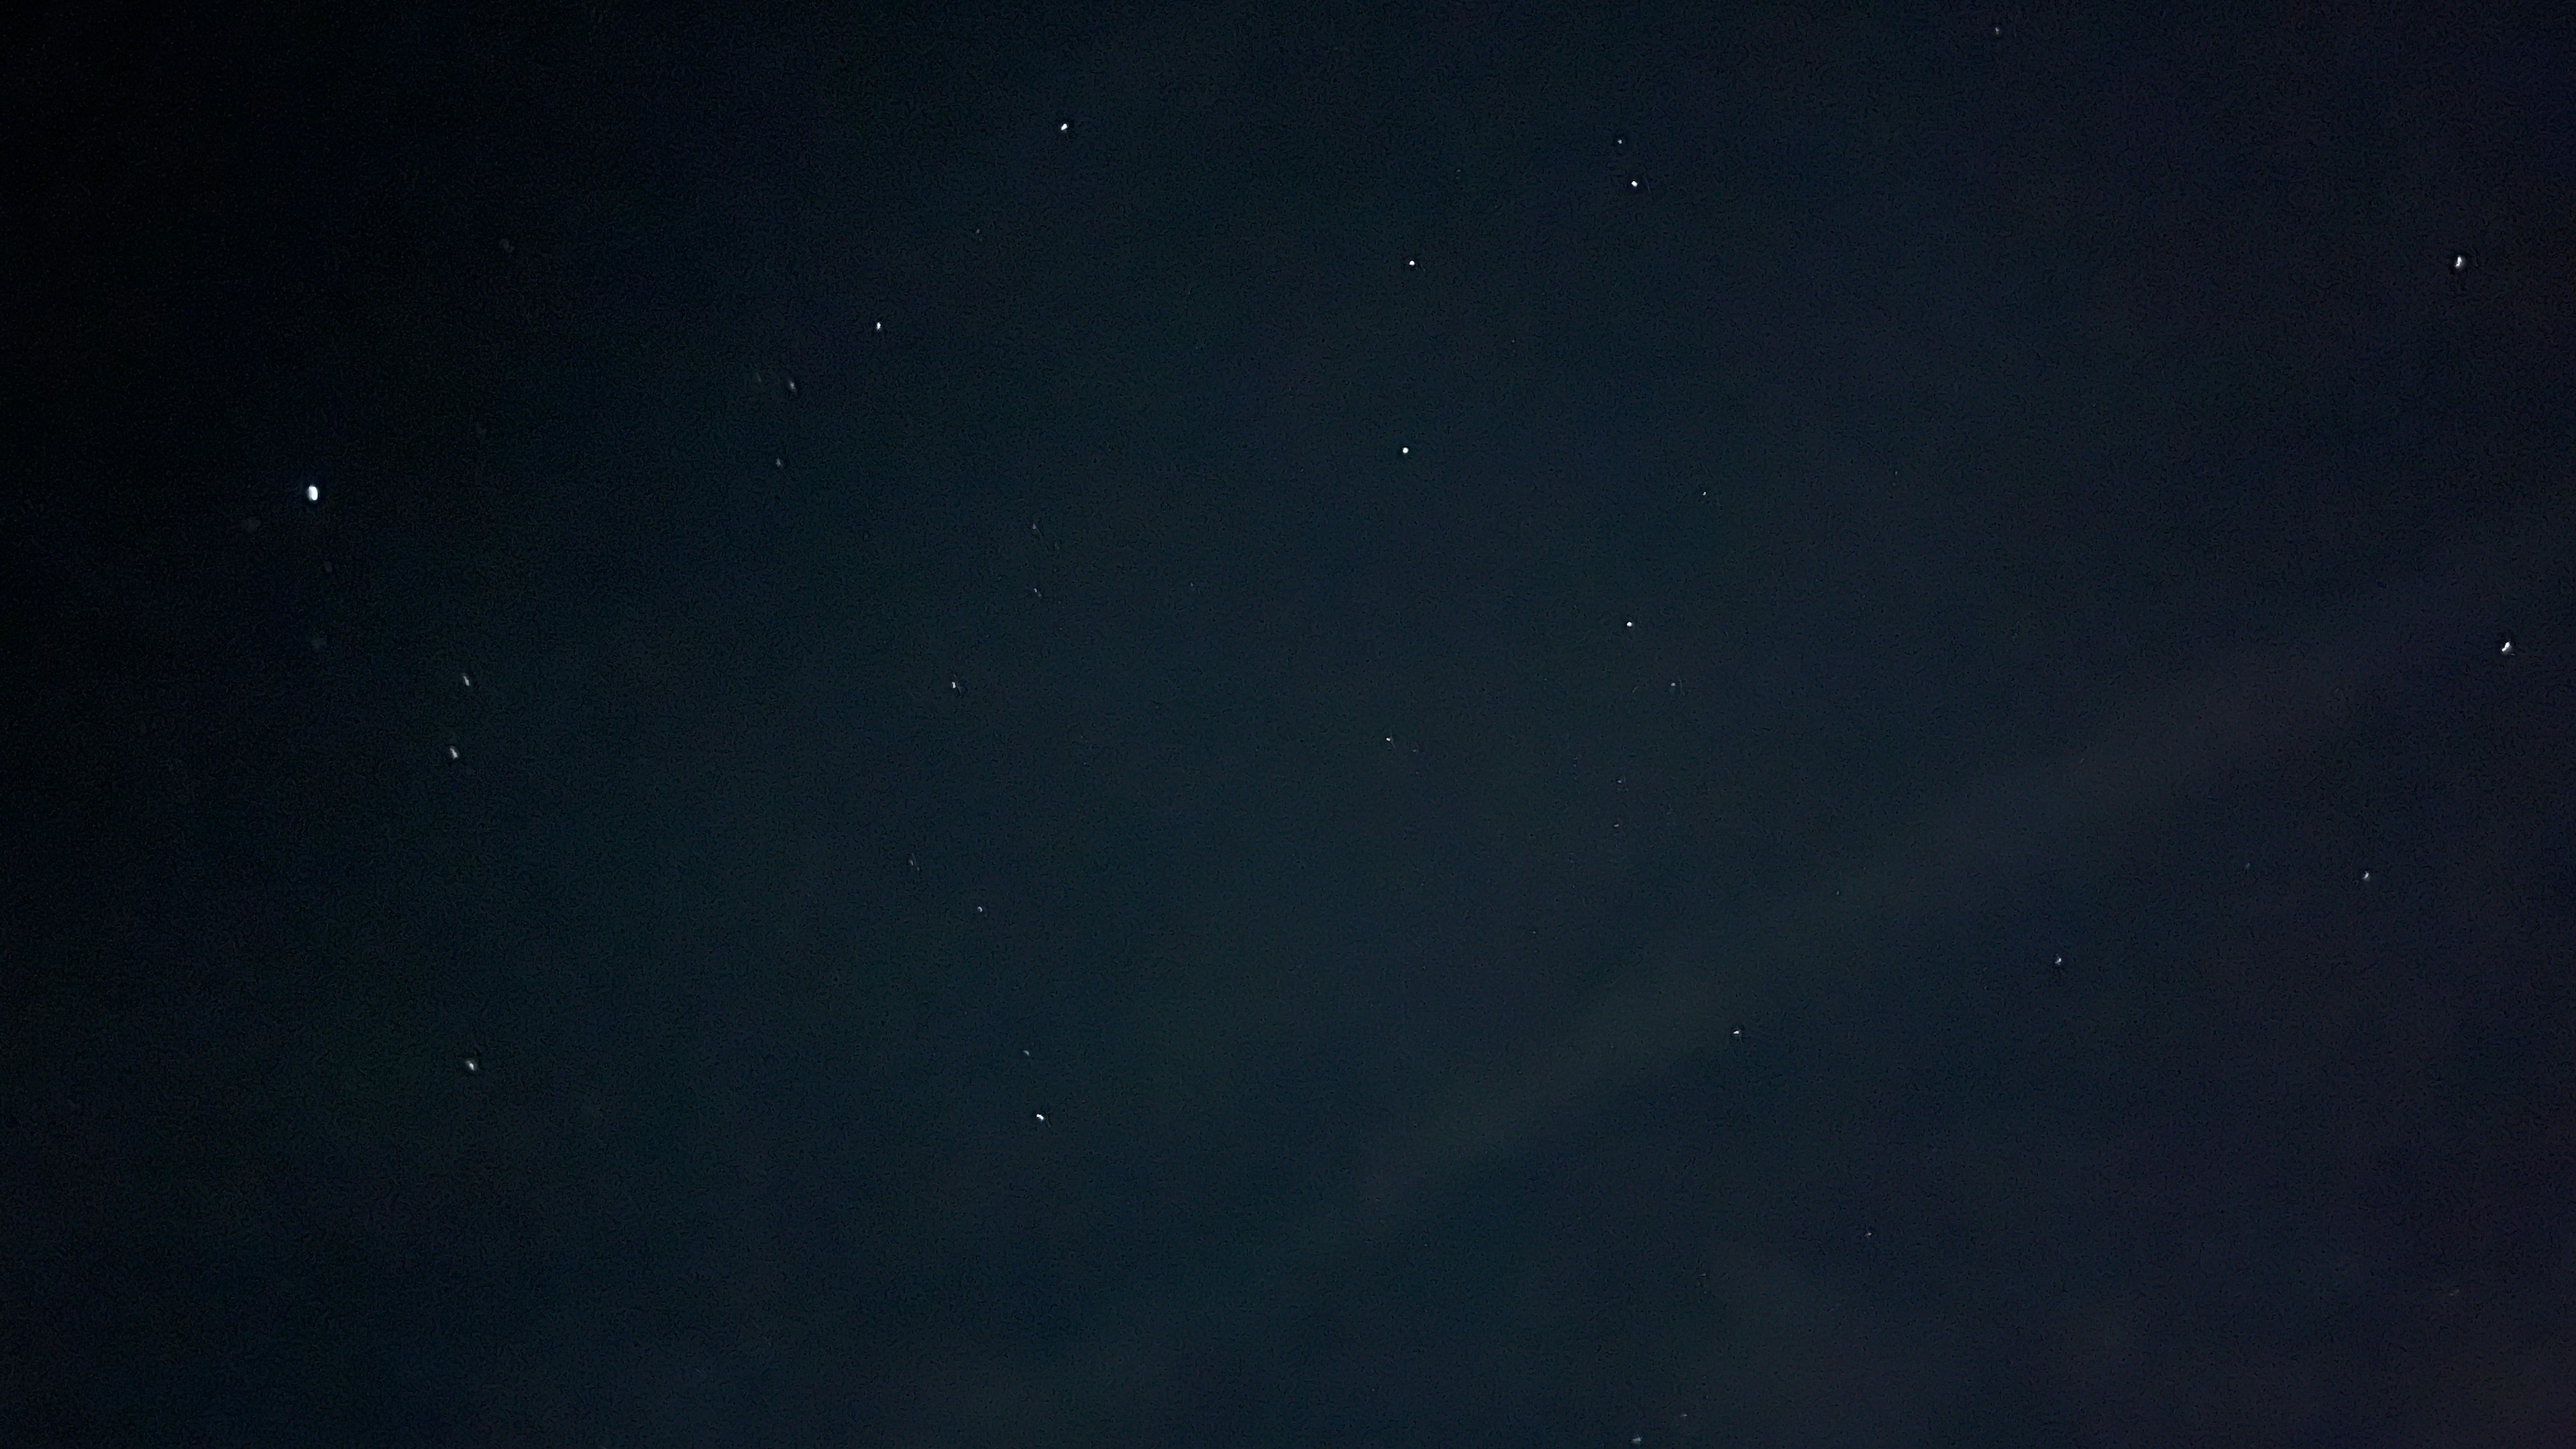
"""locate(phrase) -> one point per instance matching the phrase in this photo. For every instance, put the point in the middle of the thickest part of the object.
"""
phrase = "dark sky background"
(773, 724)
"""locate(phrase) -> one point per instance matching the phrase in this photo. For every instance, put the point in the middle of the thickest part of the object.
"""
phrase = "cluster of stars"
(472, 1061)
(1411, 264)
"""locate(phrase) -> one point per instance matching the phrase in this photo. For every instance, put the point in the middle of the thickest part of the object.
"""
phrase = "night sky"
(778, 724)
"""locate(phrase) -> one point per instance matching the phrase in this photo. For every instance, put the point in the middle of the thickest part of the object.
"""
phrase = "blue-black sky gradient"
(783, 724)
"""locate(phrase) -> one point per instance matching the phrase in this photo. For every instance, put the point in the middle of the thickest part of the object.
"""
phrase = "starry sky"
(1029, 726)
